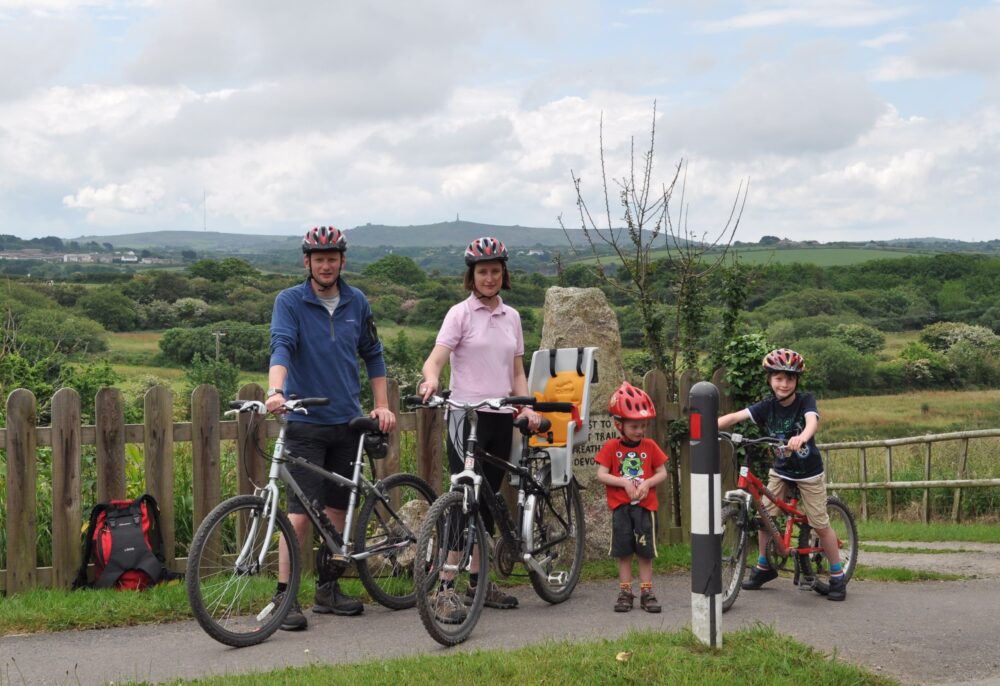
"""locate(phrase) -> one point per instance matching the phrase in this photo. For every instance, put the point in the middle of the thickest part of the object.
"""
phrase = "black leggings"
(495, 433)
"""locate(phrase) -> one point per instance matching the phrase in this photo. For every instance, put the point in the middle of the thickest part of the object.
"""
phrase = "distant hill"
(444, 234)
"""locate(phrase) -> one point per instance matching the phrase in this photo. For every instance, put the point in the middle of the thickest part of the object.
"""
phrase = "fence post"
(864, 480)
(687, 381)
(925, 513)
(250, 468)
(706, 516)
(390, 464)
(109, 418)
(963, 461)
(888, 479)
(655, 384)
(430, 424)
(65, 487)
(158, 450)
(22, 505)
(206, 478)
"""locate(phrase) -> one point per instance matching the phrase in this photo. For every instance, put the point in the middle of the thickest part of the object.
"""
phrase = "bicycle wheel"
(231, 592)
(816, 564)
(386, 536)
(450, 545)
(553, 535)
(734, 554)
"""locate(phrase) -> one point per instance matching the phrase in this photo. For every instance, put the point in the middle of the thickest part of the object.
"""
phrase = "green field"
(818, 255)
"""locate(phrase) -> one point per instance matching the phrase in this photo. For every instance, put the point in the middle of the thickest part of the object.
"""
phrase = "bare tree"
(647, 237)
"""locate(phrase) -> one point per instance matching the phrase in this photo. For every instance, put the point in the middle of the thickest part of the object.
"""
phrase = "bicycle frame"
(334, 540)
(471, 482)
(750, 489)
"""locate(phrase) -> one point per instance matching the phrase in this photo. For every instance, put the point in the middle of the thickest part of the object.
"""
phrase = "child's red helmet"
(783, 360)
(629, 402)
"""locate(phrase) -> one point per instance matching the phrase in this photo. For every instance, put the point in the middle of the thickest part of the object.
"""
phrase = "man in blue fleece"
(319, 329)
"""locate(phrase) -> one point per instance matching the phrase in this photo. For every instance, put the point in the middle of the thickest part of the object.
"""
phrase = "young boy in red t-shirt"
(630, 467)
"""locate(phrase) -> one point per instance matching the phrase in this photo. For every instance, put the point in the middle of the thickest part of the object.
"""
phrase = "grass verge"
(756, 656)
(935, 531)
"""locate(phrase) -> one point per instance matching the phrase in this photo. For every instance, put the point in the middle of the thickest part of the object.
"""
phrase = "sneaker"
(759, 577)
(294, 620)
(648, 602)
(495, 597)
(330, 600)
(838, 588)
(448, 607)
(624, 602)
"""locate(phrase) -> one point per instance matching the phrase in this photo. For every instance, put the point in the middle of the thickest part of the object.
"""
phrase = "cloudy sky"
(849, 119)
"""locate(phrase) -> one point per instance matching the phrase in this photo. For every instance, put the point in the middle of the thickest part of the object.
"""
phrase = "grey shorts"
(633, 532)
(330, 446)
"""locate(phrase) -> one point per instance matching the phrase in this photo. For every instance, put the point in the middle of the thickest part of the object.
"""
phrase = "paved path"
(921, 633)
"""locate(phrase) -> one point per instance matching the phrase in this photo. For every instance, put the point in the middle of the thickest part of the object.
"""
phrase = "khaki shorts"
(813, 502)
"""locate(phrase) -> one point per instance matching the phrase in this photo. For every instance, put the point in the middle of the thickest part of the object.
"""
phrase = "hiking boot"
(648, 602)
(448, 607)
(495, 597)
(330, 600)
(759, 577)
(294, 620)
(624, 602)
(838, 588)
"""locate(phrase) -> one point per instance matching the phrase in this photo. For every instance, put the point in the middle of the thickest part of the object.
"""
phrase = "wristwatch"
(274, 391)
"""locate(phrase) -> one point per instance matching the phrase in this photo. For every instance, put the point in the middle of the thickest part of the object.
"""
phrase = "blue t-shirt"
(783, 422)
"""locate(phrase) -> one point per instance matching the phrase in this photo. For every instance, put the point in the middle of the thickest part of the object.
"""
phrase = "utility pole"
(218, 335)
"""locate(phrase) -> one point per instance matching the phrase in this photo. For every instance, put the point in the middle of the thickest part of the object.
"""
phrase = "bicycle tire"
(447, 528)
(389, 533)
(734, 554)
(816, 565)
(554, 527)
(235, 605)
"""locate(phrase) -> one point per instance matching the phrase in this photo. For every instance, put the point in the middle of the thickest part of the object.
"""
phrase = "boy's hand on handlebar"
(386, 419)
(276, 403)
(794, 443)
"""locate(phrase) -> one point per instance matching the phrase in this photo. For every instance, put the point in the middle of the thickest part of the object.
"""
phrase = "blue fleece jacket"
(321, 352)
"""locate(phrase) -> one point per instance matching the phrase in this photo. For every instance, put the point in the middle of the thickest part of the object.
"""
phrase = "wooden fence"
(888, 485)
(159, 433)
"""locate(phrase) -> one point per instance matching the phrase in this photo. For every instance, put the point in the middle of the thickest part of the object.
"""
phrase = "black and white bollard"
(706, 516)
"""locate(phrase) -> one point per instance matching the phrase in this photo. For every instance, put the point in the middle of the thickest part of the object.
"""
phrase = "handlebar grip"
(236, 404)
(544, 425)
(414, 400)
(519, 400)
(554, 407)
(309, 402)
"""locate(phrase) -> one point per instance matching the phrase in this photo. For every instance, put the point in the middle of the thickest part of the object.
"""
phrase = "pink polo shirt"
(483, 346)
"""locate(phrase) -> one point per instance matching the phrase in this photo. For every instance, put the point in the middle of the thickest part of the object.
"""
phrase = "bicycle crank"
(504, 556)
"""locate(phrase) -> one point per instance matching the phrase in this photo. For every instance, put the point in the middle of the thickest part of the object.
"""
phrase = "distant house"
(80, 257)
(128, 257)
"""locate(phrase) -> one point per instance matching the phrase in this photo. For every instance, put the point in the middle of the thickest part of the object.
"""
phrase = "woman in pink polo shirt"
(482, 339)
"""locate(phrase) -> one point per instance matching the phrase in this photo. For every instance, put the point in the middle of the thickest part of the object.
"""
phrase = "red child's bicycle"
(744, 514)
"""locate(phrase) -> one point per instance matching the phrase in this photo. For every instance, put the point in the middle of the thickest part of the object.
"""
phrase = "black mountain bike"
(546, 534)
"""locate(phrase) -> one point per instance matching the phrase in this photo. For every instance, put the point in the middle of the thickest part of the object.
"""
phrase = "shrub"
(835, 366)
(861, 337)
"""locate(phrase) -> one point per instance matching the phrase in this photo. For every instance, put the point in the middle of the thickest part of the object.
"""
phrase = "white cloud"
(838, 14)
(885, 39)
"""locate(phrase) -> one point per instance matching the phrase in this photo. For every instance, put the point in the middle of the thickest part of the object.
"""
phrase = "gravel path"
(972, 560)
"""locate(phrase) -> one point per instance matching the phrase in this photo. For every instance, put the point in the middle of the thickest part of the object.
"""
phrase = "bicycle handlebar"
(298, 405)
(494, 403)
(740, 439)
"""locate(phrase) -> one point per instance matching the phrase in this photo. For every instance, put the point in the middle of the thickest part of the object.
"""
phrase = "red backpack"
(124, 542)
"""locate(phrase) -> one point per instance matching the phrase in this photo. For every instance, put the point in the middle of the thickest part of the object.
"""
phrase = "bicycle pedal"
(807, 584)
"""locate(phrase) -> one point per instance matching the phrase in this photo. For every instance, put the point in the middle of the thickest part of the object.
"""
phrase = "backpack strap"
(88, 546)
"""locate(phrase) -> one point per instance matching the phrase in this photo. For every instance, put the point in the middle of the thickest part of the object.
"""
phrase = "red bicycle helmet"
(485, 249)
(629, 402)
(784, 360)
(324, 238)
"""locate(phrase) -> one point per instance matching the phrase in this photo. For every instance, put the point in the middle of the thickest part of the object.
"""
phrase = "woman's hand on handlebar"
(534, 419)
(427, 388)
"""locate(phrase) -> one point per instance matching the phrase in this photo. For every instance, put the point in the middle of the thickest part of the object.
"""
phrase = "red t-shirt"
(638, 463)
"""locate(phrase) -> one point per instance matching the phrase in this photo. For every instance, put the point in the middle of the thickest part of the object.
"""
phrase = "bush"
(925, 368)
(861, 337)
(832, 365)
(972, 367)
